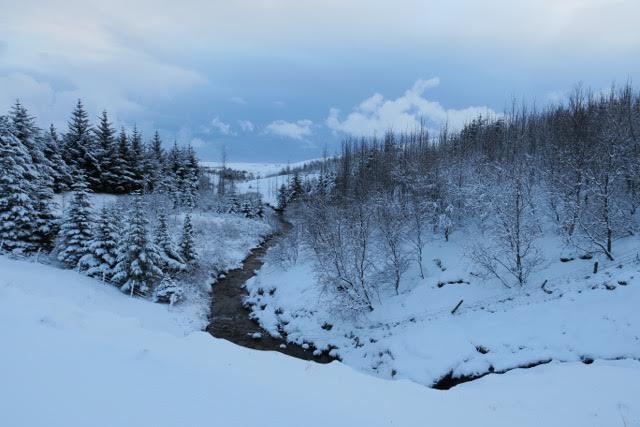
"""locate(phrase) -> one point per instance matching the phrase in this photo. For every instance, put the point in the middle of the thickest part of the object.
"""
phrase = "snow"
(262, 169)
(415, 336)
(76, 353)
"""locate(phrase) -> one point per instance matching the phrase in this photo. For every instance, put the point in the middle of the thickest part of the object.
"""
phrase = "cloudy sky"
(281, 80)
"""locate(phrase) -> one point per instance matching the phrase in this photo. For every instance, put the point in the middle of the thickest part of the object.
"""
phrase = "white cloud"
(198, 143)
(294, 130)
(376, 115)
(237, 100)
(220, 126)
(246, 125)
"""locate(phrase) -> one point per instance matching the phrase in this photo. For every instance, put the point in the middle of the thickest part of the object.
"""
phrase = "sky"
(286, 80)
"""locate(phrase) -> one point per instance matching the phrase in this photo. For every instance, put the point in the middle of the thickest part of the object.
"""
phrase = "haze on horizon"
(283, 80)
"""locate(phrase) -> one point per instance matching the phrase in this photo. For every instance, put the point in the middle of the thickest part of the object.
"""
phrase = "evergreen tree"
(187, 245)
(190, 176)
(155, 163)
(52, 151)
(137, 159)
(16, 192)
(80, 147)
(45, 223)
(295, 187)
(283, 197)
(29, 135)
(171, 259)
(124, 167)
(100, 261)
(76, 231)
(108, 153)
(137, 269)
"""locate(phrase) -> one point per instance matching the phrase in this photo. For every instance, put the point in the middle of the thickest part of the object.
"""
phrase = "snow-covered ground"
(222, 241)
(78, 353)
(261, 169)
(265, 181)
(414, 335)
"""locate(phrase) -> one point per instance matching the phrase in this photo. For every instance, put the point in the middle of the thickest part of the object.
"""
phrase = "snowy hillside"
(78, 353)
(576, 316)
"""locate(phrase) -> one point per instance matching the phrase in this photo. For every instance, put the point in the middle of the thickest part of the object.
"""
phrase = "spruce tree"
(16, 192)
(76, 231)
(45, 223)
(137, 159)
(155, 163)
(171, 259)
(283, 197)
(191, 176)
(108, 154)
(124, 167)
(52, 151)
(187, 245)
(100, 261)
(29, 135)
(137, 269)
(80, 148)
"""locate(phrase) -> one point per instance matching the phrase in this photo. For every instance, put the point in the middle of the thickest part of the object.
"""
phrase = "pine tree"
(189, 173)
(107, 154)
(124, 167)
(45, 224)
(137, 269)
(295, 188)
(100, 261)
(187, 246)
(76, 231)
(171, 259)
(155, 163)
(137, 160)
(52, 151)
(16, 192)
(80, 147)
(29, 135)
(283, 197)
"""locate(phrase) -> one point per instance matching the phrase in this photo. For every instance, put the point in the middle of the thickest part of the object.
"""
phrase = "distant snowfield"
(78, 353)
(261, 169)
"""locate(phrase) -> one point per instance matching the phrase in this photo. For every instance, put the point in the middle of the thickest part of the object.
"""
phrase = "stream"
(229, 318)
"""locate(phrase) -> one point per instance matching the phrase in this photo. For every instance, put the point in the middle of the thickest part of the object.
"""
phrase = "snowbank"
(78, 353)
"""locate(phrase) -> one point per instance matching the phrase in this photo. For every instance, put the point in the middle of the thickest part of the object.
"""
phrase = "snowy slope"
(78, 353)
(415, 336)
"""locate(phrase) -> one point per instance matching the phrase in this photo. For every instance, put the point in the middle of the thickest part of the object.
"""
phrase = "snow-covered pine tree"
(171, 260)
(107, 154)
(187, 245)
(167, 292)
(123, 167)
(137, 159)
(16, 192)
(80, 149)
(45, 225)
(29, 135)
(295, 187)
(191, 178)
(155, 163)
(100, 261)
(137, 270)
(52, 151)
(76, 231)
(283, 197)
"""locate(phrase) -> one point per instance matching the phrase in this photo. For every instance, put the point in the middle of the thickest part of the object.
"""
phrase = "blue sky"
(281, 80)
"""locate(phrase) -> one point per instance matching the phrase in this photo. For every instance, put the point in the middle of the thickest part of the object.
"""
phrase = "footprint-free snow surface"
(78, 353)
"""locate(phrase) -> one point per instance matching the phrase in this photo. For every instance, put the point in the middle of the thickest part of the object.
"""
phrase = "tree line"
(570, 169)
(37, 163)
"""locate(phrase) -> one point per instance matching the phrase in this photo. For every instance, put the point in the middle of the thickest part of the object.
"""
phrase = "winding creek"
(229, 318)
